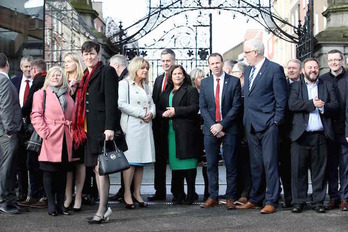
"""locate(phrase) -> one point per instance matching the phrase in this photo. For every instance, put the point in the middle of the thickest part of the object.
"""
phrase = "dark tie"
(217, 101)
(164, 82)
(251, 77)
(26, 91)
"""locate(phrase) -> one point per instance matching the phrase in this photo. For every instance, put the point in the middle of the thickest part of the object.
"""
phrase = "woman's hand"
(169, 113)
(148, 117)
(109, 135)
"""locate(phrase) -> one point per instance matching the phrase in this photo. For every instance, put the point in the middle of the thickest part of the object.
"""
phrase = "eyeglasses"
(334, 60)
(247, 52)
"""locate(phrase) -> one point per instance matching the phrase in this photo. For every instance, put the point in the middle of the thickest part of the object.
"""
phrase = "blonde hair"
(50, 72)
(79, 71)
(196, 72)
(136, 64)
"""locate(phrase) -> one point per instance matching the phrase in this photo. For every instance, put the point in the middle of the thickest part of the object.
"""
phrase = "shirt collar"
(221, 77)
(24, 78)
(258, 65)
(310, 84)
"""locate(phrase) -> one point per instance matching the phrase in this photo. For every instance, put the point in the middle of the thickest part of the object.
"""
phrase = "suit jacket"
(17, 81)
(38, 83)
(101, 107)
(266, 101)
(52, 125)
(10, 110)
(186, 122)
(230, 104)
(302, 106)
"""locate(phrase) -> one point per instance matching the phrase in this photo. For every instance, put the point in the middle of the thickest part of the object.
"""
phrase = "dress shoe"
(333, 204)
(101, 219)
(209, 203)
(129, 206)
(297, 208)
(41, 204)
(64, 211)
(286, 205)
(156, 197)
(241, 201)
(28, 202)
(21, 197)
(247, 205)
(268, 209)
(117, 197)
(141, 204)
(344, 205)
(319, 208)
(53, 214)
(230, 204)
(190, 200)
(77, 209)
(9, 208)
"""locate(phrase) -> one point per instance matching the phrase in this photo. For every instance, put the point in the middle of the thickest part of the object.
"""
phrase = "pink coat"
(52, 125)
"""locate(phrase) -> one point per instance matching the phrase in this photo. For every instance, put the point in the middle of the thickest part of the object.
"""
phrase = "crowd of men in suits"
(291, 125)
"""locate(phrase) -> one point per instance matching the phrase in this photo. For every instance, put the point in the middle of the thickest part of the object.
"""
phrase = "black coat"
(101, 107)
(38, 83)
(186, 122)
(302, 106)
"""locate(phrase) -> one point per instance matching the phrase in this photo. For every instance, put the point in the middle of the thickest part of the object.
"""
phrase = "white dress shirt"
(256, 72)
(314, 120)
(221, 83)
(22, 88)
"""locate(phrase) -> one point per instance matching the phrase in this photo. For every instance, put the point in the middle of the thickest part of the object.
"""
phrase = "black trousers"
(54, 184)
(178, 177)
(308, 152)
(284, 157)
(243, 171)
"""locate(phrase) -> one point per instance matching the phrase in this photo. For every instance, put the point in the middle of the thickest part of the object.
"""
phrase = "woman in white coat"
(138, 110)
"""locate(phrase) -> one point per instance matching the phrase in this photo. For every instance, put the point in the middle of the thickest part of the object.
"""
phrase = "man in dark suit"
(220, 103)
(168, 60)
(338, 149)
(313, 101)
(10, 125)
(265, 99)
(294, 68)
(36, 198)
(23, 83)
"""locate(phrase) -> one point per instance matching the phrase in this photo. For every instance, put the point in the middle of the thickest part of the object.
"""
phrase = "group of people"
(268, 129)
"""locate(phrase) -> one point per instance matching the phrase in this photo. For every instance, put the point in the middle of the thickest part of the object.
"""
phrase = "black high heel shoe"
(142, 204)
(129, 206)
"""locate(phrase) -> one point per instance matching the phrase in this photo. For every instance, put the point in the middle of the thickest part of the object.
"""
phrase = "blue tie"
(251, 77)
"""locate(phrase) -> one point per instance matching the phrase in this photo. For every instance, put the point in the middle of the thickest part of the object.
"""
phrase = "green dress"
(175, 163)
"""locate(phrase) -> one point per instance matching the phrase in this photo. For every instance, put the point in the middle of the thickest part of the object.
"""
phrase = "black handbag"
(112, 161)
(35, 141)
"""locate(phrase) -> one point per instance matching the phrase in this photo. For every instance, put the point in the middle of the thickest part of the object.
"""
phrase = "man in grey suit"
(10, 125)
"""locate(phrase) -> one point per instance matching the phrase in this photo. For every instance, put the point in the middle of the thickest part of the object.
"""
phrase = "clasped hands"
(148, 116)
(216, 130)
(169, 113)
(317, 102)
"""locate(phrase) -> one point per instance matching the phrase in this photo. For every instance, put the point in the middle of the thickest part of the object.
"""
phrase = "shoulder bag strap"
(44, 103)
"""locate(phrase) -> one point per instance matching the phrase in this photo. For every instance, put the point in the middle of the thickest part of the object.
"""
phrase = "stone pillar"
(335, 35)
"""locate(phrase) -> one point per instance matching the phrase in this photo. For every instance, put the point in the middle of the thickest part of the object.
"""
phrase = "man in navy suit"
(23, 83)
(220, 103)
(265, 100)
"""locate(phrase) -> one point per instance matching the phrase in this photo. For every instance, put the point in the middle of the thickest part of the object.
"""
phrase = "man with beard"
(338, 156)
(312, 101)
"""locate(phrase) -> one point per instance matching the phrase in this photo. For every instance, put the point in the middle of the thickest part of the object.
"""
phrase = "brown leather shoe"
(209, 203)
(268, 209)
(230, 204)
(247, 205)
(344, 205)
(333, 204)
(241, 201)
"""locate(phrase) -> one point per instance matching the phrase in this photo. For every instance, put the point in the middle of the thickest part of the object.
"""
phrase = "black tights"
(54, 184)
(178, 177)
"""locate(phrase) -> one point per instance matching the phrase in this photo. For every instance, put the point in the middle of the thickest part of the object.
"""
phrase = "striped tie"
(251, 77)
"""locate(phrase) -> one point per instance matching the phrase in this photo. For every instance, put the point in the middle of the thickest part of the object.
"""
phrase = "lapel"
(210, 90)
(179, 95)
(259, 75)
(96, 73)
(53, 97)
(226, 83)
(304, 89)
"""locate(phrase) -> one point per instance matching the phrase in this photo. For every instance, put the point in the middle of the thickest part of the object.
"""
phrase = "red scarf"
(79, 133)
(42, 73)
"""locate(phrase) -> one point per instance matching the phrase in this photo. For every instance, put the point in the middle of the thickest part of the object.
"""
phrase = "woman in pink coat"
(54, 126)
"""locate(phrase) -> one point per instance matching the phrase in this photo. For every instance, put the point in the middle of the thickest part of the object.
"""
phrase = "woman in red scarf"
(95, 118)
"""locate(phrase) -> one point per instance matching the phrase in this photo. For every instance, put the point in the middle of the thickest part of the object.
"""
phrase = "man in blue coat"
(265, 100)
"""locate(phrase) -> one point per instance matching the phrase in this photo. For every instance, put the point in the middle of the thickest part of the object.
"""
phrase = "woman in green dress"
(178, 106)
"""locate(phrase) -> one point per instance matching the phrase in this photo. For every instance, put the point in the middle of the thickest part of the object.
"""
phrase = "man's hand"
(216, 128)
(347, 139)
(109, 135)
(220, 134)
(317, 102)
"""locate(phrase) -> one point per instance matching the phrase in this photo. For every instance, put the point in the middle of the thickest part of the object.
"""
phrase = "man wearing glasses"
(338, 149)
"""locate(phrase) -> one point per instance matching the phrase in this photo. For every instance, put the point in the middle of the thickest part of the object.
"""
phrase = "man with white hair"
(120, 64)
(265, 100)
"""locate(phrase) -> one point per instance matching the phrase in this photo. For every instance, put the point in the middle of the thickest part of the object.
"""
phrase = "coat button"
(87, 102)
(141, 122)
(138, 102)
(87, 110)
(87, 93)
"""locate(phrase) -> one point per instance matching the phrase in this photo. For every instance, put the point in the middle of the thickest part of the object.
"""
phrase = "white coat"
(139, 136)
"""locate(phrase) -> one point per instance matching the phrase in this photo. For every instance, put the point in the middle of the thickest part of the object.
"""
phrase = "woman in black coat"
(178, 106)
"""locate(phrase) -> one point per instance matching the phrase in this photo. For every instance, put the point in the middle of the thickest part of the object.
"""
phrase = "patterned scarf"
(79, 133)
